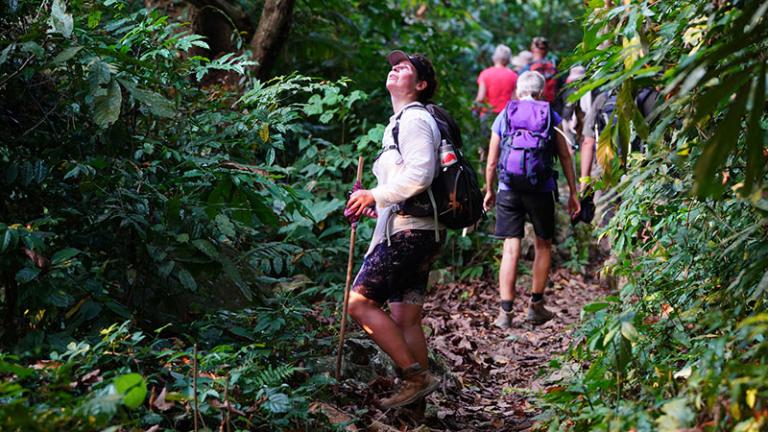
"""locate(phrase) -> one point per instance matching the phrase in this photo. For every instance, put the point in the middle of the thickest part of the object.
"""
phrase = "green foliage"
(577, 245)
(680, 346)
(137, 188)
(136, 194)
(341, 38)
(90, 384)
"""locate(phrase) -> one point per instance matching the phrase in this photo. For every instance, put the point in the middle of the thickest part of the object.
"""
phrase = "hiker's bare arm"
(493, 161)
(570, 174)
(490, 170)
(566, 161)
(480, 92)
(587, 155)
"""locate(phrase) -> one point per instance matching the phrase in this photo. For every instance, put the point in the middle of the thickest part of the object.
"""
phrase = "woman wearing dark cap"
(396, 266)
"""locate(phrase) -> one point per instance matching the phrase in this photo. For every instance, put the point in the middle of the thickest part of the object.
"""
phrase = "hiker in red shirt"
(495, 87)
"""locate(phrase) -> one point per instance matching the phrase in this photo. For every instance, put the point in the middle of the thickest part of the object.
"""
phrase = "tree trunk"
(274, 25)
(229, 9)
(216, 20)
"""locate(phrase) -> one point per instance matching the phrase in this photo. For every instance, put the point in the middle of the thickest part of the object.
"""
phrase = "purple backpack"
(527, 149)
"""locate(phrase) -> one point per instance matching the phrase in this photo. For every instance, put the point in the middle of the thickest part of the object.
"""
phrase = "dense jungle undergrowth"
(172, 247)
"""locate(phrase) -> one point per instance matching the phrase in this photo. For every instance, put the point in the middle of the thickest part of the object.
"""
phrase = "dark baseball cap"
(424, 70)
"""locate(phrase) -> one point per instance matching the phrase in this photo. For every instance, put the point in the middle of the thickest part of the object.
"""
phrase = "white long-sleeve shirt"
(406, 173)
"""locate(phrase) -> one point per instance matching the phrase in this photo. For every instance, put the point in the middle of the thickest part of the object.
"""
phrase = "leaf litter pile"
(489, 376)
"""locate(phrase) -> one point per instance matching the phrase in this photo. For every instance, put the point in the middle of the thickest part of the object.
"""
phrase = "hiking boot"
(538, 314)
(417, 383)
(504, 320)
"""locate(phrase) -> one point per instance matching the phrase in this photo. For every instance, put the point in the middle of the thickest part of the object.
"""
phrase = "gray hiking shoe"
(504, 320)
(538, 314)
(417, 383)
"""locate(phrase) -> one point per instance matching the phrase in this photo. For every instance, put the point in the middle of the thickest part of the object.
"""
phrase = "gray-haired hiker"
(495, 87)
(396, 266)
(522, 149)
(521, 61)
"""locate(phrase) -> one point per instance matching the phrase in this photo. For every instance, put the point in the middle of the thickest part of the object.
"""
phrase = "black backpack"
(645, 97)
(455, 189)
(606, 116)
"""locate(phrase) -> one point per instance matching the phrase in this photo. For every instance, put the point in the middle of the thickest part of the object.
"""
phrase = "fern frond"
(272, 377)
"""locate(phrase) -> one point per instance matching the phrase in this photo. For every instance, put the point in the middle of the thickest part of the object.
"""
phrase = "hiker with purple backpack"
(521, 151)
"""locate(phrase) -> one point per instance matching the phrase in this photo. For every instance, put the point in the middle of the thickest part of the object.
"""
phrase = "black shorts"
(512, 207)
(398, 273)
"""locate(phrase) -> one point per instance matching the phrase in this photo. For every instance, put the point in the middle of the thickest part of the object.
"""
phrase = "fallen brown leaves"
(490, 373)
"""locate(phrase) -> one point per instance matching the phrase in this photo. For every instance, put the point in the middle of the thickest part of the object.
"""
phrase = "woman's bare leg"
(382, 328)
(407, 316)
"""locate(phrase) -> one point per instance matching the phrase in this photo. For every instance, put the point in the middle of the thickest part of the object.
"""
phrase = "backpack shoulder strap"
(551, 127)
(396, 129)
(508, 128)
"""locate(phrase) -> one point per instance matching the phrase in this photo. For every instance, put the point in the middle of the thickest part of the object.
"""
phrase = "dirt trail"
(489, 373)
(497, 368)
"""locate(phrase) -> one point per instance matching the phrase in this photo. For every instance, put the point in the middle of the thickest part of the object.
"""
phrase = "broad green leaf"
(594, 307)
(9, 239)
(240, 210)
(6, 52)
(277, 403)
(710, 99)
(99, 75)
(132, 387)
(154, 102)
(20, 371)
(717, 148)
(34, 48)
(605, 153)
(261, 210)
(314, 106)
(106, 108)
(186, 279)
(629, 331)
(172, 210)
(60, 21)
(219, 197)
(225, 225)
(206, 247)
(66, 55)
(64, 255)
(625, 103)
(757, 139)
(94, 18)
(677, 415)
(27, 274)
(377, 133)
(166, 268)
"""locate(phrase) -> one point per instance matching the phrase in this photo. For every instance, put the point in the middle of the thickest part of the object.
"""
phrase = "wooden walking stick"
(350, 263)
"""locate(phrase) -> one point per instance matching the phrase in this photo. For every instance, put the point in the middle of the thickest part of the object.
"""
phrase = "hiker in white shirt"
(396, 266)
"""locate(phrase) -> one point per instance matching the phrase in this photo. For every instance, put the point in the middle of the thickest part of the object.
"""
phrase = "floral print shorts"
(398, 272)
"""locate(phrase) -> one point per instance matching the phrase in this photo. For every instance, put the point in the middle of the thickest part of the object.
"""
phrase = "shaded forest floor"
(489, 375)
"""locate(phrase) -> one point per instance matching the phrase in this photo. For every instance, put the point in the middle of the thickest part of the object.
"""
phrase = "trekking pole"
(350, 262)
